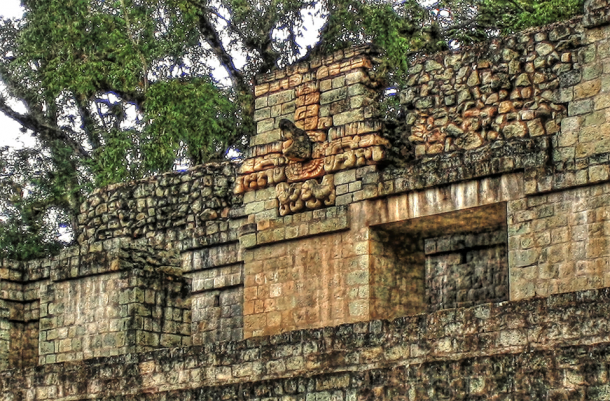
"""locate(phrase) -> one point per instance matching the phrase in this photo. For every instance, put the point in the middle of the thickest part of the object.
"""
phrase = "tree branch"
(136, 46)
(46, 131)
(212, 38)
(88, 122)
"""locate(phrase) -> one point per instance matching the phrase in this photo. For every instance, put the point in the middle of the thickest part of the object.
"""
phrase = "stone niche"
(443, 261)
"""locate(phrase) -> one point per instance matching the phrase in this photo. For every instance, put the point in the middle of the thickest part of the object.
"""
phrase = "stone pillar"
(130, 299)
(317, 137)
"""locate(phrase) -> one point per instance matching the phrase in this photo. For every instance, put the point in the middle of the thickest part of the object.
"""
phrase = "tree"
(118, 89)
(491, 17)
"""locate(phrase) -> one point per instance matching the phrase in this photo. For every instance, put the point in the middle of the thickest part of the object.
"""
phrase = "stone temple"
(463, 253)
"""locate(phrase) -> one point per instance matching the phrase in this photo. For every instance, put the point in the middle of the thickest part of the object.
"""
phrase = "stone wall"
(559, 242)
(566, 97)
(466, 269)
(501, 91)
(19, 322)
(531, 349)
(217, 312)
(139, 304)
(345, 259)
(189, 210)
(396, 275)
(318, 281)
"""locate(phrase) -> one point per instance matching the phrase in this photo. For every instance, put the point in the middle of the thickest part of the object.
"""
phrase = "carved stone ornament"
(353, 158)
(297, 145)
(309, 195)
(300, 171)
(260, 180)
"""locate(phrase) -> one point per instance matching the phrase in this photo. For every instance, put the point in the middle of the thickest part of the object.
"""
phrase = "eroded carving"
(262, 163)
(328, 157)
(289, 197)
(297, 197)
(260, 180)
(299, 171)
(317, 194)
(354, 158)
(342, 145)
(317, 136)
(297, 145)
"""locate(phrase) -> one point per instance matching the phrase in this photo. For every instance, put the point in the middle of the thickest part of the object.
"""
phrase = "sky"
(9, 129)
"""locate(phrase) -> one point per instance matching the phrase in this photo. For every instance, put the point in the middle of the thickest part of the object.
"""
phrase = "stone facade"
(138, 304)
(557, 242)
(554, 348)
(315, 118)
(183, 211)
(503, 91)
(466, 269)
(463, 254)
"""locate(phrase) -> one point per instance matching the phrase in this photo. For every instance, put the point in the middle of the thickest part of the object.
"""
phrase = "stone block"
(267, 137)
(265, 125)
(580, 107)
(348, 117)
(587, 89)
(281, 97)
(333, 95)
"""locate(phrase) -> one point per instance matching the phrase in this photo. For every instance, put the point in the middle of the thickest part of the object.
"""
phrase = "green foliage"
(28, 229)
(23, 238)
(190, 112)
(518, 14)
(117, 159)
(86, 46)
(397, 30)
(478, 20)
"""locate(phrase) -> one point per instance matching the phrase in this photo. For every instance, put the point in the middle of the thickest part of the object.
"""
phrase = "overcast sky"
(9, 129)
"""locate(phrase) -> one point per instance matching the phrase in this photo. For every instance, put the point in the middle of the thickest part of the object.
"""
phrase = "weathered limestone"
(462, 254)
(334, 129)
(139, 304)
(536, 348)
(185, 211)
(558, 242)
(466, 269)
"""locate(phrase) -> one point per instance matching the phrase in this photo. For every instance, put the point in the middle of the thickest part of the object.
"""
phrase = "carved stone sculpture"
(317, 194)
(297, 145)
(301, 171)
(354, 158)
(289, 197)
(297, 197)
(260, 180)
(262, 163)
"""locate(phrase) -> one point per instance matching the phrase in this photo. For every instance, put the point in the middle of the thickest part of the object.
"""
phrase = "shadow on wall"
(443, 261)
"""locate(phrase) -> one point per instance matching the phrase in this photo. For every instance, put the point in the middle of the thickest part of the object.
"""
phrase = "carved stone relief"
(303, 159)
(296, 146)
(308, 195)
(260, 180)
(299, 171)
(298, 158)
